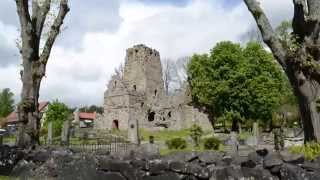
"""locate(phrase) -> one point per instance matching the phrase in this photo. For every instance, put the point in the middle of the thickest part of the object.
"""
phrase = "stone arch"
(151, 116)
(115, 124)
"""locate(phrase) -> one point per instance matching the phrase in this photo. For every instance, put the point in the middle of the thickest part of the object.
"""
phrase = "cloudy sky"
(97, 33)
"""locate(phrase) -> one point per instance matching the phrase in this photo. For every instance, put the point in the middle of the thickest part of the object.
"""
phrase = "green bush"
(309, 150)
(196, 133)
(211, 143)
(176, 143)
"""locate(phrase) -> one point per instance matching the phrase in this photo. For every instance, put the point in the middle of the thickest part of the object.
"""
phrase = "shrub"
(176, 143)
(211, 143)
(196, 133)
(310, 150)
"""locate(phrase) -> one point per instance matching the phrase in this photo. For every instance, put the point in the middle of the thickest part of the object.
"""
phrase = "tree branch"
(39, 15)
(24, 16)
(268, 34)
(313, 9)
(54, 31)
(299, 21)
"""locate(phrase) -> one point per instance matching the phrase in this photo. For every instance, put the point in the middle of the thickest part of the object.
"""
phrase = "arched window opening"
(115, 124)
(151, 116)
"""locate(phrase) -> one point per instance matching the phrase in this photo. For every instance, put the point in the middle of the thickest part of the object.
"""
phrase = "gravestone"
(133, 131)
(49, 137)
(255, 132)
(253, 140)
(234, 142)
(65, 133)
(1, 139)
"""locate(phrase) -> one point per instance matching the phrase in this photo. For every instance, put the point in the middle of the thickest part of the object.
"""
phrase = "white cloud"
(79, 76)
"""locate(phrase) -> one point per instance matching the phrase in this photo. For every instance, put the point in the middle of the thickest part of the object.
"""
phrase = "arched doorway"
(115, 124)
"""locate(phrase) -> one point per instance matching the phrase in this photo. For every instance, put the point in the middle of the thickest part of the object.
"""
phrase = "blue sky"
(97, 33)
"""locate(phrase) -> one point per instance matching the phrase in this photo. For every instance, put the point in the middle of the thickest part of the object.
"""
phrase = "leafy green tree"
(244, 81)
(6, 102)
(91, 109)
(196, 133)
(57, 113)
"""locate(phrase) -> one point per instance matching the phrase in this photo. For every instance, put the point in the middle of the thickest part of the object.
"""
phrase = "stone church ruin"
(137, 98)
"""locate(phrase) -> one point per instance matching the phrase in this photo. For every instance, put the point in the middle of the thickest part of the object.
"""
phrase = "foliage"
(6, 102)
(2, 122)
(244, 135)
(238, 80)
(211, 143)
(91, 109)
(163, 135)
(57, 113)
(196, 133)
(176, 143)
(310, 150)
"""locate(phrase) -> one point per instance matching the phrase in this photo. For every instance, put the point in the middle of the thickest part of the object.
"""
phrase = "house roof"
(13, 116)
(85, 115)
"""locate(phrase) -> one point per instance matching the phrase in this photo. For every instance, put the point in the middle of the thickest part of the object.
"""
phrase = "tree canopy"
(91, 109)
(240, 80)
(57, 113)
(6, 102)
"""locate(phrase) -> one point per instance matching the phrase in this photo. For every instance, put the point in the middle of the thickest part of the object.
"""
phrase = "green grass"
(244, 135)
(164, 135)
(4, 177)
(309, 150)
(190, 148)
(9, 139)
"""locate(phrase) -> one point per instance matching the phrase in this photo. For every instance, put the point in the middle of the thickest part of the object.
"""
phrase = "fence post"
(1, 139)
(49, 137)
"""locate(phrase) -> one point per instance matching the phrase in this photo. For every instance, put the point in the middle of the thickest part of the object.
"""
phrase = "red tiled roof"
(13, 116)
(84, 115)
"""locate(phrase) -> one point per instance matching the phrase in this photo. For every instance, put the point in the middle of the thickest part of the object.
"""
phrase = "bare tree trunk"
(34, 63)
(307, 92)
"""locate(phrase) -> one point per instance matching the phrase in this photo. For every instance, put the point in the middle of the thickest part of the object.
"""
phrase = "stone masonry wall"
(138, 95)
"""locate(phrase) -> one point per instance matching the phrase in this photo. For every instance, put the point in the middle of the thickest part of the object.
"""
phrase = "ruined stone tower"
(137, 99)
(143, 71)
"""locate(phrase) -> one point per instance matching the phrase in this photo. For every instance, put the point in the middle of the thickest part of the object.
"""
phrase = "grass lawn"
(4, 177)
(164, 135)
(9, 139)
(190, 148)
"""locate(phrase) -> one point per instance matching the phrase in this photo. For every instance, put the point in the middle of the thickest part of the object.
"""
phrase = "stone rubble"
(65, 164)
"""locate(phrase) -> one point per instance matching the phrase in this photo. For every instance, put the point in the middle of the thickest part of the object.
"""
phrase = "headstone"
(240, 129)
(133, 131)
(49, 137)
(234, 142)
(1, 139)
(255, 132)
(65, 133)
(76, 116)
